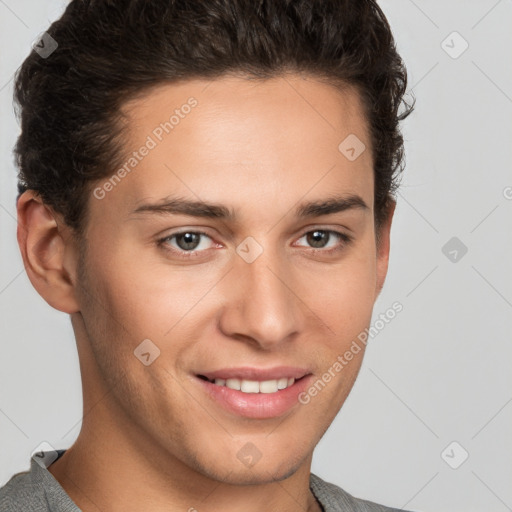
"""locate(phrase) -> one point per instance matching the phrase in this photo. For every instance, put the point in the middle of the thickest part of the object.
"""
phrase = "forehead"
(292, 101)
(245, 141)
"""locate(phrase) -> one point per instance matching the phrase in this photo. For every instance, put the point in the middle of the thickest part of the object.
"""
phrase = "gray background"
(440, 371)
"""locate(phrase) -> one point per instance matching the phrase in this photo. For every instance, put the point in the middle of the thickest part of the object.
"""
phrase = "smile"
(254, 386)
(255, 393)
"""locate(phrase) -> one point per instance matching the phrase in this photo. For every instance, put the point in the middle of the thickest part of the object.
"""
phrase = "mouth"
(253, 386)
(254, 393)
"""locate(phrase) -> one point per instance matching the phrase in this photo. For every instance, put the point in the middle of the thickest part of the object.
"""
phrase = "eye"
(319, 240)
(188, 244)
(185, 243)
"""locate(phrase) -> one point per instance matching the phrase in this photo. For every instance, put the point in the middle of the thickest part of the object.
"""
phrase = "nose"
(261, 303)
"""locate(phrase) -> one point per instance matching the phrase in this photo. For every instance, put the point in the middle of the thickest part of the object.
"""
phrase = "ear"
(48, 252)
(383, 245)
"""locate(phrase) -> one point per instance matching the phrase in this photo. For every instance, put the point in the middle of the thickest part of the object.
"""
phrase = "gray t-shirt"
(38, 491)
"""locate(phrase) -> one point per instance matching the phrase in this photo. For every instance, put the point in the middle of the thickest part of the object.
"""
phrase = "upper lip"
(260, 374)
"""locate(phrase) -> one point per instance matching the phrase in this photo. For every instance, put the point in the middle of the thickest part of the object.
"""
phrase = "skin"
(151, 439)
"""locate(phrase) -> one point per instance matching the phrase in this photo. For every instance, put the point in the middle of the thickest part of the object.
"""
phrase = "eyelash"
(162, 243)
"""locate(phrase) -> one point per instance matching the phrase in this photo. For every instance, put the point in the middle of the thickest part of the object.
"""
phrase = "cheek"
(344, 295)
(139, 299)
(121, 309)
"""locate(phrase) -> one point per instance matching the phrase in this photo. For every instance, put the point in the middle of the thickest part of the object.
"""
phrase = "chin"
(259, 474)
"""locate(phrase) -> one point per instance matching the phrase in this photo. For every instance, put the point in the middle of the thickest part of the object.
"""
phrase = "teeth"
(282, 383)
(250, 386)
(233, 384)
(268, 386)
(254, 386)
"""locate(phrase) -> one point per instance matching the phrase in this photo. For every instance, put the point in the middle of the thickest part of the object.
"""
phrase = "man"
(206, 188)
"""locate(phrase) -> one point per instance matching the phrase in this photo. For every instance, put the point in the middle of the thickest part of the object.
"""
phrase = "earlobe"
(383, 247)
(45, 251)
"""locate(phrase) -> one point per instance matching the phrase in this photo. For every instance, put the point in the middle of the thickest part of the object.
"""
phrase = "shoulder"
(335, 499)
(36, 490)
(22, 493)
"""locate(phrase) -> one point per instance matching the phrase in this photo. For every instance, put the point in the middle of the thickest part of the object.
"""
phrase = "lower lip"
(256, 405)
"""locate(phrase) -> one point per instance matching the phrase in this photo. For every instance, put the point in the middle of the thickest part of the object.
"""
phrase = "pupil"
(191, 240)
(317, 238)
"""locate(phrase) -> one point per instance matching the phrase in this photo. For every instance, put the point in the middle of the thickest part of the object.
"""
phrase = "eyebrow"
(178, 205)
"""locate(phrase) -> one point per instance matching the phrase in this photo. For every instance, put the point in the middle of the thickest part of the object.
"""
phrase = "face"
(240, 245)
